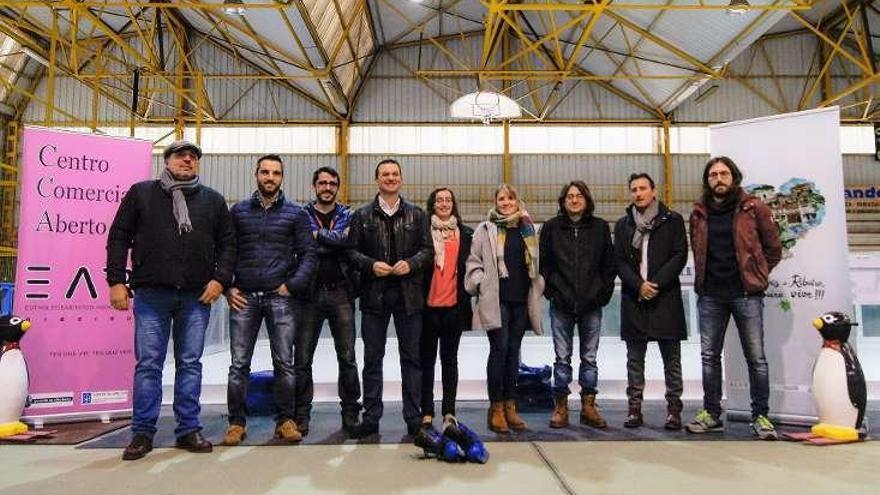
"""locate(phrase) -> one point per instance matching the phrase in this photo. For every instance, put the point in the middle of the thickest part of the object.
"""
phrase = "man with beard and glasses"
(735, 244)
(182, 253)
(276, 260)
(330, 298)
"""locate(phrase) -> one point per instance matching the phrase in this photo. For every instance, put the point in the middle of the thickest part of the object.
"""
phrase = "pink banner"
(80, 351)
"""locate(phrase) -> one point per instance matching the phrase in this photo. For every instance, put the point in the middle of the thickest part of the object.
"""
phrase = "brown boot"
(560, 413)
(496, 420)
(514, 421)
(287, 431)
(634, 419)
(590, 412)
(673, 418)
(235, 434)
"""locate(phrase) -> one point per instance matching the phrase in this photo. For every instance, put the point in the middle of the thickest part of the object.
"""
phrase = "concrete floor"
(679, 468)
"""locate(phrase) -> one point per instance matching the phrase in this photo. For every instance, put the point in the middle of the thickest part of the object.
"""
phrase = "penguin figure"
(13, 375)
(838, 381)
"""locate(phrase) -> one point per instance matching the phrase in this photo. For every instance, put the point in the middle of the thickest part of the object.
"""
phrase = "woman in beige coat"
(502, 271)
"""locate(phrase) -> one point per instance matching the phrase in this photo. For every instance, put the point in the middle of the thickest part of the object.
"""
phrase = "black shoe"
(413, 428)
(350, 423)
(140, 445)
(302, 425)
(194, 442)
(365, 429)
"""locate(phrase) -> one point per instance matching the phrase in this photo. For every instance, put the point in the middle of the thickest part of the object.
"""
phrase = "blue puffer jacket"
(275, 246)
(334, 242)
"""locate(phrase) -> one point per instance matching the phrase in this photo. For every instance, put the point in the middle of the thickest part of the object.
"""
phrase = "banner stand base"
(739, 415)
(103, 416)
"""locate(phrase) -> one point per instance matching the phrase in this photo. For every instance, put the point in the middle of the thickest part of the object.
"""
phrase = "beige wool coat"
(481, 280)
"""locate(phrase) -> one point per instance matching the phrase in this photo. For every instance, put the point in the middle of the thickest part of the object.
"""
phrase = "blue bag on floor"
(533, 390)
(260, 400)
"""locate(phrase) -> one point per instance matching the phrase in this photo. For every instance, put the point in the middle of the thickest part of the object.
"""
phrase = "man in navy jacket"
(276, 260)
(180, 237)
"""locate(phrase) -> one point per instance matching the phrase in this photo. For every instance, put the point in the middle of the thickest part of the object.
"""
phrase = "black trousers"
(504, 348)
(441, 328)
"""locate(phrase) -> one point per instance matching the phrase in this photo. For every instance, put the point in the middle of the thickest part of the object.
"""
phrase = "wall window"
(427, 140)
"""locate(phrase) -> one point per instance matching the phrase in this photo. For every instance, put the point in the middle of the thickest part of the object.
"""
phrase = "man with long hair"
(735, 244)
(577, 262)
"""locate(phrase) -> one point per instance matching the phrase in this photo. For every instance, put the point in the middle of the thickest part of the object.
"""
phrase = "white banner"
(793, 163)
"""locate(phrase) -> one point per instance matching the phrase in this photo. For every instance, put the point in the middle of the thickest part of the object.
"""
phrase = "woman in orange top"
(448, 308)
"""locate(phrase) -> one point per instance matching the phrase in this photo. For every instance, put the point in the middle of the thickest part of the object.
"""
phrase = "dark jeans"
(244, 326)
(748, 313)
(504, 347)
(441, 326)
(158, 314)
(336, 307)
(635, 372)
(374, 331)
(589, 330)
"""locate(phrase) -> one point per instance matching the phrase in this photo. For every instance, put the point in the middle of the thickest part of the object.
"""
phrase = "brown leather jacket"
(758, 249)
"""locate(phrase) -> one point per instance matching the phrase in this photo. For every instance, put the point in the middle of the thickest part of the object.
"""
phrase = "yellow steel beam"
(439, 46)
(663, 43)
(422, 23)
(50, 79)
(667, 165)
(514, 74)
(172, 5)
(826, 68)
(552, 35)
(506, 167)
(837, 48)
(790, 5)
(585, 34)
(873, 79)
(127, 48)
(195, 5)
(343, 134)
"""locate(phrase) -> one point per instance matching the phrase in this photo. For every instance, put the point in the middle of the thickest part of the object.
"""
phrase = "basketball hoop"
(484, 106)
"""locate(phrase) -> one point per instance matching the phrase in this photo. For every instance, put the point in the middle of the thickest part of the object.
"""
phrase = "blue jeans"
(158, 314)
(244, 326)
(335, 306)
(374, 331)
(748, 313)
(589, 329)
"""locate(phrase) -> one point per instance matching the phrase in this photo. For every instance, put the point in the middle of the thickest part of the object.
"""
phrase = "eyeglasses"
(723, 173)
(327, 183)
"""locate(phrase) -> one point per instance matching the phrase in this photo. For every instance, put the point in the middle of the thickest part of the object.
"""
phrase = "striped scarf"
(520, 219)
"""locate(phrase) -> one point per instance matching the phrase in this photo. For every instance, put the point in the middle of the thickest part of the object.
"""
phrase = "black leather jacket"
(371, 238)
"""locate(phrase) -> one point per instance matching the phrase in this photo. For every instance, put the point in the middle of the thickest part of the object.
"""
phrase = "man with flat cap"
(182, 246)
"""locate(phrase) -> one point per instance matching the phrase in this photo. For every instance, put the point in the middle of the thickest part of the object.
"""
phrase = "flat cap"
(180, 146)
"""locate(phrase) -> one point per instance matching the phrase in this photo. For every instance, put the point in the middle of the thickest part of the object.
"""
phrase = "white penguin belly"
(831, 391)
(13, 385)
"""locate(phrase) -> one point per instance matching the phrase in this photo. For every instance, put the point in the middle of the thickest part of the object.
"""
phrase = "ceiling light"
(485, 106)
(738, 7)
(233, 7)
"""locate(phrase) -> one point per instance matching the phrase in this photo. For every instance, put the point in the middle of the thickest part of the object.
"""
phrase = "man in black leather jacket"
(392, 248)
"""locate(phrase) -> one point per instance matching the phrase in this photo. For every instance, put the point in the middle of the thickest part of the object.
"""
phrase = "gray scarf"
(644, 222)
(176, 188)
